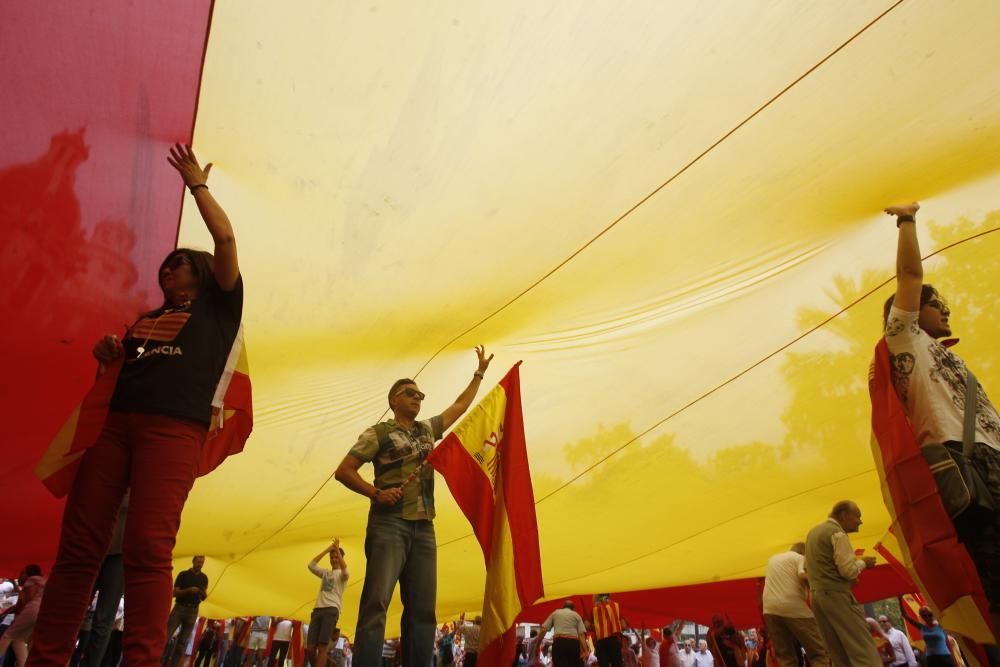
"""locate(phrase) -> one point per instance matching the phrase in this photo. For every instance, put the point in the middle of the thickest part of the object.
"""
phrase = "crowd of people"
(123, 511)
(810, 612)
(193, 640)
(810, 618)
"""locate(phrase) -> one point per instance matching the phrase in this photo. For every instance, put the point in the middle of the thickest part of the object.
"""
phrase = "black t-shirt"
(184, 353)
(189, 578)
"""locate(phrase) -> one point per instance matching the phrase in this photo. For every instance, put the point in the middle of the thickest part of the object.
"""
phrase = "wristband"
(904, 218)
(375, 495)
(479, 375)
(192, 188)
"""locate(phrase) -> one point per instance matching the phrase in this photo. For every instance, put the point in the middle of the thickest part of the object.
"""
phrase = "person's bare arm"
(464, 400)
(909, 267)
(226, 265)
(333, 545)
(337, 558)
(348, 475)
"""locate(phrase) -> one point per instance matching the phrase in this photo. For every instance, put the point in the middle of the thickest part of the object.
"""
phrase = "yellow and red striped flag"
(232, 422)
(484, 460)
(922, 537)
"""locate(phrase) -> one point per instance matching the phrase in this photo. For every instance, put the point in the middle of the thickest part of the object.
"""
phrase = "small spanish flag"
(484, 460)
(232, 422)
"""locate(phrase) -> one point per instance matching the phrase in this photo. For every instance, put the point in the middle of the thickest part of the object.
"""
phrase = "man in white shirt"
(900, 643)
(786, 614)
(930, 380)
(688, 653)
(326, 613)
(703, 657)
(833, 571)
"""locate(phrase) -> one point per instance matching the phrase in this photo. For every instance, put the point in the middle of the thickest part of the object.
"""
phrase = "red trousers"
(157, 458)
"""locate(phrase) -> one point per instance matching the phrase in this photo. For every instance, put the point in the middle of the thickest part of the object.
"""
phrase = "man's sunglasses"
(412, 393)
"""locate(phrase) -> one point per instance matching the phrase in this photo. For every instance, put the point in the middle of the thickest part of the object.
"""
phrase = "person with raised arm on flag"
(151, 424)
(936, 442)
(400, 545)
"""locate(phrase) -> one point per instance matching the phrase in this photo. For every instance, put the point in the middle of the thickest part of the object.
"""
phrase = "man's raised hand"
(903, 209)
(484, 361)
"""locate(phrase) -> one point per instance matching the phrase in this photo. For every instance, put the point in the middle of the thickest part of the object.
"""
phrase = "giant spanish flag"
(922, 538)
(485, 463)
(540, 176)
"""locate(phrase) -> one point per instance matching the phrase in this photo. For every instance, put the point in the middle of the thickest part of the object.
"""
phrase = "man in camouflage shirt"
(400, 543)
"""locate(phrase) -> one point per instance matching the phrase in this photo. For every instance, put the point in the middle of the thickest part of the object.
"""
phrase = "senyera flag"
(922, 537)
(484, 460)
(232, 422)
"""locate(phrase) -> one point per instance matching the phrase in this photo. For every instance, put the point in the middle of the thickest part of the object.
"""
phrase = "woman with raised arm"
(165, 372)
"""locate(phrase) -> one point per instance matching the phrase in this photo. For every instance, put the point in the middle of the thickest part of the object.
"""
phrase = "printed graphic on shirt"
(894, 327)
(897, 324)
(162, 329)
(902, 367)
(399, 457)
(948, 369)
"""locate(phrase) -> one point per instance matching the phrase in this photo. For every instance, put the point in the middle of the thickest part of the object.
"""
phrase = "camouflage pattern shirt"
(399, 453)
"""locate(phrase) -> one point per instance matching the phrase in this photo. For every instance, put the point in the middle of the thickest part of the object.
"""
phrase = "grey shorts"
(321, 625)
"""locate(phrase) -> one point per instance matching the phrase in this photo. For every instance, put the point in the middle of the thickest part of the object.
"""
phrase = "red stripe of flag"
(466, 480)
(519, 495)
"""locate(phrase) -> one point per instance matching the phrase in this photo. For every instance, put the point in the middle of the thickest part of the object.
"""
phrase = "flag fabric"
(296, 651)
(241, 631)
(910, 605)
(922, 537)
(231, 424)
(199, 629)
(271, 629)
(484, 461)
